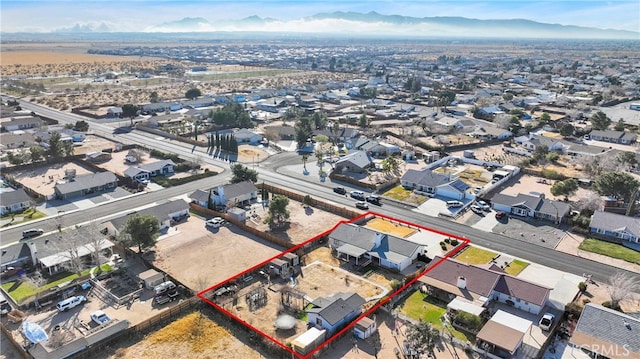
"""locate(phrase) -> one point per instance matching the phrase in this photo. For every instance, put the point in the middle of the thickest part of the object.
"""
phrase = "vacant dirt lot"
(305, 223)
(529, 185)
(200, 258)
(42, 179)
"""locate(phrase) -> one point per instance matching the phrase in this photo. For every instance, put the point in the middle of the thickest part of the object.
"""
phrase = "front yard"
(612, 250)
(475, 255)
(399, 193)
(420, 306)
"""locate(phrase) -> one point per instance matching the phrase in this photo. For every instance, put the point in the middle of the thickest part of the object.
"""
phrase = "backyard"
(399, 193)
(420, 306)
(390, 227)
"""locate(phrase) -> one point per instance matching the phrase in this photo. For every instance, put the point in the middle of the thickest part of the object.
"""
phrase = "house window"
(319, 321)
(517, 300)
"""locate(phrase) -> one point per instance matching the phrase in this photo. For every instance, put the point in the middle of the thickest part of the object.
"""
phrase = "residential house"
(17, 255)
(426, 180)
(21, 123)
(456, 123)
(161, 107)
(525, 205)
(53, 253)
(607, 333)
(14, 201)
(147, 170)
(336, 311)
(376, 148)
(503, 335)
(234, 194)
(284, 132)
(620, 137)
(199, 102)
(479, 285)
(354, 162)
(490, 133)
(244, 135)
(364, 246)
(167, 214)
(553, 144)
(87, 184)
(615, 226)
(341, 134)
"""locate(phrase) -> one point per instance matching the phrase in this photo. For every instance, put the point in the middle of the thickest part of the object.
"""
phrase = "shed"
(151, 278)
(292, 258)
(238, 213)
(308, 340)
(364, 328)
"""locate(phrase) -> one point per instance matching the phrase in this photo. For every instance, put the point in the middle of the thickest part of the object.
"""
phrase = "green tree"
(307, 200)
(141, 230)
(619, 125)
(363, 121)
(566, 188)
(68, 148)
(552, 157)
(130, 111)
(304, 130)
(545, 117)
(292, 113)
(82, 126)
(278, 214)
(242, 173)
(422, 337)
(17, 158)
(446, 97)
(37, 153)
(600, 121)
(616, 184)
(56, 149)
(319, 120)
(390, 165)
(153, 97)
(508, 96)
(193, 93)
(540, 152)
(567, 130)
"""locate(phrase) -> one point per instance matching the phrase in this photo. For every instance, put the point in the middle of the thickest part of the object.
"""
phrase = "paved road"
(268, 173)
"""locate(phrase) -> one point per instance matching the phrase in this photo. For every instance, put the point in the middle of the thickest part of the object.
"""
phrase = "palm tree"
(304, 161)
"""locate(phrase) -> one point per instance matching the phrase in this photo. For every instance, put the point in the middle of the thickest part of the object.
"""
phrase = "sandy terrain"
(200, 258)
(528, 184)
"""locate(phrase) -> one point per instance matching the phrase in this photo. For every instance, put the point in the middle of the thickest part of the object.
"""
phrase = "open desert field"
(17, 57)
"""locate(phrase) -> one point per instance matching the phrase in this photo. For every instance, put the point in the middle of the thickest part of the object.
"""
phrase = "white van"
(454, 204)
(70, 303)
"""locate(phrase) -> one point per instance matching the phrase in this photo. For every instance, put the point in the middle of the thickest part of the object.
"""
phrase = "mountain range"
(373, 24)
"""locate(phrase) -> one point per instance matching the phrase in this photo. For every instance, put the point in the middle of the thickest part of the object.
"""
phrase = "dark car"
(373, 199)
(340, 190)
(33, 232)
(501, 214)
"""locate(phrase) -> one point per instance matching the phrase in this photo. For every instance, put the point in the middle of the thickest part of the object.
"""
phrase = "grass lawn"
(420, 306)
(475, 255)
(515, 267)
(399, 193)
(612, 250)
(387, 226)
(28, 215)
(20, 291)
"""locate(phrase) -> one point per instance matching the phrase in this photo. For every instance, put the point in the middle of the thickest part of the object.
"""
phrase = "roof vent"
(627, 324)
(462, 282)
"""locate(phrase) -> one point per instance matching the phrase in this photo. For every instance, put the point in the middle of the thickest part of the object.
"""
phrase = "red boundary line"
(387, 298)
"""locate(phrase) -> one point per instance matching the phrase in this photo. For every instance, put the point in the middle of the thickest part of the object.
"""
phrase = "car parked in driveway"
(99, 317)
(484, 205)
(501, 215)
(476, 209)
(70, 303)
(454, 204)
(546, 322)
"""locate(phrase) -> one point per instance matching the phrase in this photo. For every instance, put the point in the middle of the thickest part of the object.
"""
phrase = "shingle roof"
(598, 323)
(14, 253)
(86, 182)
(358, 158)
(234, 190)
(540, 205)
(425, 177)
(615, 222)
(160, 211)
(392, 248)
(155, 166)
(334, 308)
(518, 288)
(13, 197)
(200, 196)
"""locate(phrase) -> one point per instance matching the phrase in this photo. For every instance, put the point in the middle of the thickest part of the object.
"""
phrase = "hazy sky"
(142, 15)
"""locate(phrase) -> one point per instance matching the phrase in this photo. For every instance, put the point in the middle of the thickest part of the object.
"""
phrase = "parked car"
(484, 205)
(164, 288)
(546, 322)
(214, 222)
(501, 214)
(32, 232)
(476, 209)
(454, 204)
(362, 205)
(71, 303)
(357, 195)
(100, 317)
(10, 272)
(340, 190)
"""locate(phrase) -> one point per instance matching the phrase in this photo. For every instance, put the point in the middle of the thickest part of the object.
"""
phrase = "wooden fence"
(339, 210)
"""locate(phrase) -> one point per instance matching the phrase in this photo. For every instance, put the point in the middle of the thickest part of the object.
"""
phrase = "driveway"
(542, 233)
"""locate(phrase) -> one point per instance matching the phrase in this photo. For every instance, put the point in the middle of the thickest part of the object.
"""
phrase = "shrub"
(585, 301)
(454, 242)
(607, 304)
(447, 241)
(442, 243)
(443, 246)
(573, 308)
(582, 286)
(552, 174)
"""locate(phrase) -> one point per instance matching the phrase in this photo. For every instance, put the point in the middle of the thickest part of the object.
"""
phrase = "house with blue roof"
(336, 311)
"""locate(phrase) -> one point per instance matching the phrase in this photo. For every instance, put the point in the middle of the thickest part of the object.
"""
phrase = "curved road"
(268, 173)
